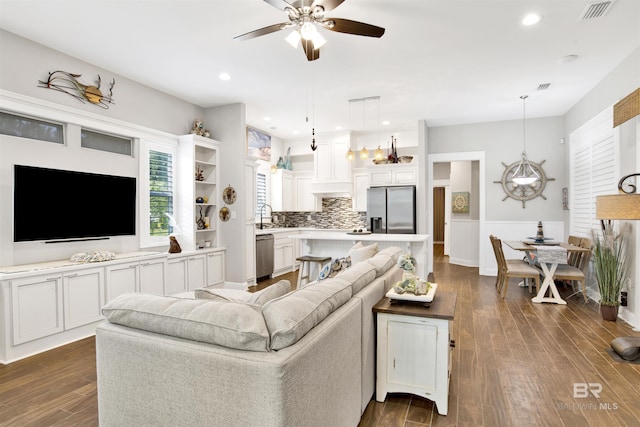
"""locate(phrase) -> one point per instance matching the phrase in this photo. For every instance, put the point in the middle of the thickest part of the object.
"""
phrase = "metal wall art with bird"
(69, 83)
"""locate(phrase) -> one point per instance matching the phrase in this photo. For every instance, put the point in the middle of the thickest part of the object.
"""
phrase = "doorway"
(476, 240)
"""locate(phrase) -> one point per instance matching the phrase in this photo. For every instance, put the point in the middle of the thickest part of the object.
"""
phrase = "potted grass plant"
(609, 259)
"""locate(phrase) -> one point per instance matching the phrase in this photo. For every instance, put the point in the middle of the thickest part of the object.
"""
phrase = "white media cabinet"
(46, 305)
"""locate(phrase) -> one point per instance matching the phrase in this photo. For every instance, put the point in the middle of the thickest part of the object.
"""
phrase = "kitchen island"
(336, 244)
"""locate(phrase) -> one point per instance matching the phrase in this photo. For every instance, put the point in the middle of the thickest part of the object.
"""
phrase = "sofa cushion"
(229, 324)
(393, 251)
(359, 275)
(359, 252)
(236, 295)
(381, 262)
(291, 316)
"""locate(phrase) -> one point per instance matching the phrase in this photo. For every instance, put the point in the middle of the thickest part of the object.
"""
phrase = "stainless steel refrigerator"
(391, 210)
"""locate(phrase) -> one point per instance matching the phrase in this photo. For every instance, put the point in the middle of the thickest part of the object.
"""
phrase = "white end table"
(414, 348)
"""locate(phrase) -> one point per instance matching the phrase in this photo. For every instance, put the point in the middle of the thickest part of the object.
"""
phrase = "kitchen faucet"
(261, 210)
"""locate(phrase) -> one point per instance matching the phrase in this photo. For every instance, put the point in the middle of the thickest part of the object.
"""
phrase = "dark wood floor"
(515, 364)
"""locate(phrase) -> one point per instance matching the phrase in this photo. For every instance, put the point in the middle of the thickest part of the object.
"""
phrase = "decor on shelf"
(199, 174)
(460, 202)
(69, 83)
(200, 223)
(524, 174)
(174, 246)
(393, 154)
(258, 144)
(198, 129)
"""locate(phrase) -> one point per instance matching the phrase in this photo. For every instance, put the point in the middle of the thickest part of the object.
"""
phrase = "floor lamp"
(623, 206)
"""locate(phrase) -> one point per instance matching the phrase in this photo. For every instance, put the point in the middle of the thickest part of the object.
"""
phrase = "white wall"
(25, 62)
(502, 142)
(138, 112)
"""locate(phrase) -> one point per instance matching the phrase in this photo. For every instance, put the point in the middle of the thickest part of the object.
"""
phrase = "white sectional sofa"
(306, 358)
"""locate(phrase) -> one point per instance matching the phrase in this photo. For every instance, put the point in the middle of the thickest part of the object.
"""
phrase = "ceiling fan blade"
(353, 27)
(328, 5)
(309, 50)
(279, 4)
(263, 31)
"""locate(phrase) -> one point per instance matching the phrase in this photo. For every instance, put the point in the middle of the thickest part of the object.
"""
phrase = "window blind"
(261, 192)
(160, 193)
(593, 163)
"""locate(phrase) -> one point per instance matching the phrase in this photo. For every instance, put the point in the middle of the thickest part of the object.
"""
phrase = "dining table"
(548, 255)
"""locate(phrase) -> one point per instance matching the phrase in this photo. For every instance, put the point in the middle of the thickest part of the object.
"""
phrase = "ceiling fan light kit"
(305, 16)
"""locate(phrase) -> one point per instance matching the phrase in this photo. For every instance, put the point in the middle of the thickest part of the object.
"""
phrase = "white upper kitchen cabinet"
(330, 162)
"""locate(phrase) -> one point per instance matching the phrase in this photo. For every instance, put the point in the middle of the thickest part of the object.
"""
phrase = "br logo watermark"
(584, 391)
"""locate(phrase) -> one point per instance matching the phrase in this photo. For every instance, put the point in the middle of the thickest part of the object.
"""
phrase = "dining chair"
(577, 272)
(573, 258)
(512, 268)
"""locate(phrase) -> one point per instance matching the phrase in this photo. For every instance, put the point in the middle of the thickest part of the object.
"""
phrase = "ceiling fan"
(304, 15)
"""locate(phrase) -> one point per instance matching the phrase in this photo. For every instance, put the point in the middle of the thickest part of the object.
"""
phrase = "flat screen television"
(54, 204)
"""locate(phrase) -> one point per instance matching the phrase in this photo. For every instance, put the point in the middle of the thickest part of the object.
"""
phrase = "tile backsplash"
(336, 213)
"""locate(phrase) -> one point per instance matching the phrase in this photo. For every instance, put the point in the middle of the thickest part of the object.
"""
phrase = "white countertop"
(342, 235)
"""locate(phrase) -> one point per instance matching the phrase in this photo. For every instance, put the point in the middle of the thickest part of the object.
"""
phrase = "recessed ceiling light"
(266, 118)
(295, 132)
(531, 19)
(224, 76)
(338, 127)
(385, 123)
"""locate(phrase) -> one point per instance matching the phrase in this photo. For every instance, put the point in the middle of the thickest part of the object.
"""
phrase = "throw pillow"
(361, 253)
(334, 267)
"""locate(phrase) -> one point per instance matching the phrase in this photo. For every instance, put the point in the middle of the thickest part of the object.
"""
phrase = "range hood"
(332, 189)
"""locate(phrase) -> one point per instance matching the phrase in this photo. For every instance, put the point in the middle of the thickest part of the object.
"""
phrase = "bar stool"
(306, 260)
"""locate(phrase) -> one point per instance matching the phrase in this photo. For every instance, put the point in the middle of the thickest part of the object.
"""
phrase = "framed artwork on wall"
(460, 202)
(258, 144)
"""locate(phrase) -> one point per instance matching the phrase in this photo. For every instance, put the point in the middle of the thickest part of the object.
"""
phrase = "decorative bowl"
(405, 159)
(380, 161)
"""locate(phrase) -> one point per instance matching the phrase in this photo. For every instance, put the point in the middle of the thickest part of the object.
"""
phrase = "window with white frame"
(28, 127)
(594, 170)
(157, 165)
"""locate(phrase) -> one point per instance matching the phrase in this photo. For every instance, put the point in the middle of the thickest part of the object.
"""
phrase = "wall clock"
(523, 193)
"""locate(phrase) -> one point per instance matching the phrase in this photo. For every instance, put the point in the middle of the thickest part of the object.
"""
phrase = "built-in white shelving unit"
(198, 191)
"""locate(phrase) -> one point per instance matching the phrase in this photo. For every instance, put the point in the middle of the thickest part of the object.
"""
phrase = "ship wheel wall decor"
(523, 193)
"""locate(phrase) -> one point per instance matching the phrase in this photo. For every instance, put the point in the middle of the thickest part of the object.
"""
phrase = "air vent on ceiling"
(544, 86)
(596, 10)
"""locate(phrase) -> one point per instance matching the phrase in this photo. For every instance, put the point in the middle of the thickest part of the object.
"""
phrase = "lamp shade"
(618, 206)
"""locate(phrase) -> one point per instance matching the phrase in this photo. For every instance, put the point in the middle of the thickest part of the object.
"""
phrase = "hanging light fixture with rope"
(524, 174)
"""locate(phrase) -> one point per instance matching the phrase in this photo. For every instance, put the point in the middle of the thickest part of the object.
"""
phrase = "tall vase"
(609, 312)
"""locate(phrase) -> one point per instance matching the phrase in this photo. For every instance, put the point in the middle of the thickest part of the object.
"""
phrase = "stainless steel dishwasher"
(264, 256)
